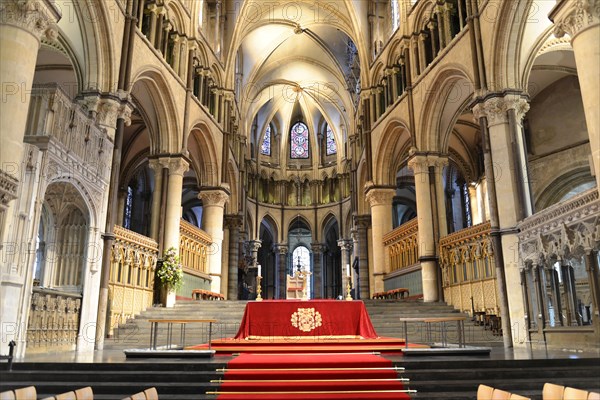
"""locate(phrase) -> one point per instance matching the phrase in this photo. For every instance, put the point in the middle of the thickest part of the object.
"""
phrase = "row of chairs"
(485, 392)
(549, 392)
(86, 393)
(559, 392)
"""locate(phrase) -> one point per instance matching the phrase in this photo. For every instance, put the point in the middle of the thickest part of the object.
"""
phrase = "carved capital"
(8, 189)
(345, 244)
(281, 249)
(37, 17)
(233, 221)
(177, 166)
(317, 248)
(254, 245)
(362, 222)
(215, 197)
(380, 196)
(573, 16)
(496, 109)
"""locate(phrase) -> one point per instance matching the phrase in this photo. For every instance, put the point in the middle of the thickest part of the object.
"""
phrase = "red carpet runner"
(311, 376)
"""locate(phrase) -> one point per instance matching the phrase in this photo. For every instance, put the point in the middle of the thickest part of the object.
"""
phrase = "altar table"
(335, 319)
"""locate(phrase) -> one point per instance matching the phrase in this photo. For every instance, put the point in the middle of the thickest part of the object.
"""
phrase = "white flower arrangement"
(170, 272)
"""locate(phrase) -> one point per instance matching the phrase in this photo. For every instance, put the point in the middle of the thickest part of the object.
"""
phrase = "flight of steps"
(384, 315)
(186, 379)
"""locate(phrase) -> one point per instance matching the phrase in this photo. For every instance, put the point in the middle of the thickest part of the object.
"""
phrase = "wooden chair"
(514, 396)
(552, 391)
(84, 393)
(575, 394)
(151, 394)
(484, 392)
(26, 393)
(500, 395)
(66, 396)
(593, 396)
(137, 396)
(8, 395)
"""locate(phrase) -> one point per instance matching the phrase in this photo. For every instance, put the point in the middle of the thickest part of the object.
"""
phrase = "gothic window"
(395, 15)
(265, 148)
(299, 141)
(128, 208)
(331, 146)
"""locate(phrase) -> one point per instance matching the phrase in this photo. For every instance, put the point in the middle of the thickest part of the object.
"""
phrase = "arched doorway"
(266, 258)
(332, 256)
(299, 240)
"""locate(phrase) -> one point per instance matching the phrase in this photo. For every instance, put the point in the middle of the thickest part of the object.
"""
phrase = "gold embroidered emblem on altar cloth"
(306, 319)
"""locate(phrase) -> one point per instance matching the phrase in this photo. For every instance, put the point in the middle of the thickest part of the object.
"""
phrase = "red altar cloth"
(310, 318)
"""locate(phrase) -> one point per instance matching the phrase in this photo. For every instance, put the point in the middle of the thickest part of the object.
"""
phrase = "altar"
(310, 319)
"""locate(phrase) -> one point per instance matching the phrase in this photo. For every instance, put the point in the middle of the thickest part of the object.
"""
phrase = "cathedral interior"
(450, 148)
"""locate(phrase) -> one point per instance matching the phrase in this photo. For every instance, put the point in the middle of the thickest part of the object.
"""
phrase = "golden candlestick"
(258, 289)
(348, 288)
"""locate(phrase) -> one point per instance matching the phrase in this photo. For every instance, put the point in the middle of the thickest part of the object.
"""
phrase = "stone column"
(346, 248)
(499, 117)
(177, 167)
(233, 223)
(213, 205)
(157, 167)
(281, 252)
(317, 273)
(22, 25)
(427, 252)
(380, 200)
(362, 224)
(591, 266)
(581, 20)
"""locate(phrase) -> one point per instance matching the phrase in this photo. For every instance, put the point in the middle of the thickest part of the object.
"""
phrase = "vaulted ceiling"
(302, 54)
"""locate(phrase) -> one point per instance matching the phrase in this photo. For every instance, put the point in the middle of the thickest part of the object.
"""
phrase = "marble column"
(317, 272)
(23, 24)
(213, 205)
(380, 200)
(581, 20)
(157, 168)
(233, 223)
(420, 164)
(498, 118)
(345, 246)
(177, 167)
(362, 224)
(281, 252)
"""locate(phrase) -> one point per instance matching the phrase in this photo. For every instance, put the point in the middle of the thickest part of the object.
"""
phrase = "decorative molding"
(380, 196)
(496, 109)
(562, 230)
(573, 16)
(217, 197)
(281, 249)
(233, 221)
(37, 17)
(8, 189)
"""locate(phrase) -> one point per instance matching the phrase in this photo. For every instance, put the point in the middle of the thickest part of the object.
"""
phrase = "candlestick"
(348, 295)
(258, 289)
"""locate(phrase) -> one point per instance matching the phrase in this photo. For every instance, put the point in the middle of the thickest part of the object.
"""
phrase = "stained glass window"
(299, 140)
(265, 148)
(331, 146)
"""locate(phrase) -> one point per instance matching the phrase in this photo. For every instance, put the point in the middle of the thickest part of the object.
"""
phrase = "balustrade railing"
(402, 245)
(131, 284)
(53, 320)
(53, 114)
(468, 270)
